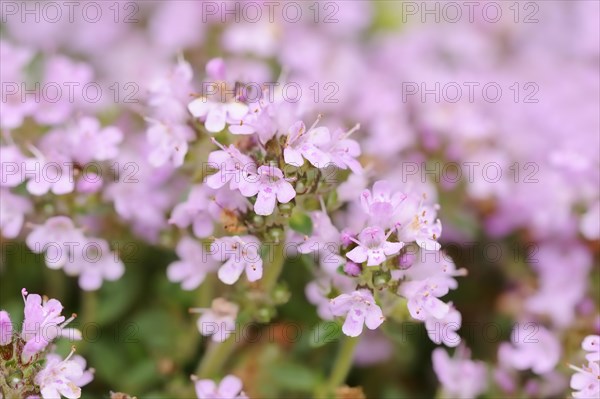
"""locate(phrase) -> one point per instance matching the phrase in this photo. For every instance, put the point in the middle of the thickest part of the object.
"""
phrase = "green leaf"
(301, 222)
(294, 377)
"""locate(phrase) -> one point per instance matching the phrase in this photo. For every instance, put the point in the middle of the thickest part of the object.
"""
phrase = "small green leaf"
(301, 222)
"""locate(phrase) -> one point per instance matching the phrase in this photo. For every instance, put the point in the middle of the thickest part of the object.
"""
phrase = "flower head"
(360, 309)
(63, 377)
(230, 387)
(271, 187)
(193, 266)
(381, 204)
(586, 381)
(219, 320)
(591, 344)
(460, 376)
(94, 263)
(42, 323)
(232, 167)
(374, 247)
(302, 144)
(239, 254)
(58, 237)
(6, 328)
(533, 347)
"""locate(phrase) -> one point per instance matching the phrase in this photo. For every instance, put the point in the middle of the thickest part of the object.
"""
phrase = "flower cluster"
(586, 380)
(195, 147)
(29, 367)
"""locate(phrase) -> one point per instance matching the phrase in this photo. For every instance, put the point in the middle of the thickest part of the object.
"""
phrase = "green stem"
(218, 353)
(89, 307)
(272, 272)
(215, 357)
(343, 363)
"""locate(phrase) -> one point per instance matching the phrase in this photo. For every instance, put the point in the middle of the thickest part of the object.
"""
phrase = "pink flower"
(170, 93)
(301, 144)
(168, 141)
(12, 161)
(232, 166)
(63, 377)
(62, 71)
(434, 266)
(317, 292)
(217, 112)
(444, 330)
(239, 254)
(325, 240)
(533, 347)
(205, 206)
(58, 237)
(586, 381)
(194, 265)
(423, 299)
(14, 61)
(94, 262)
(382, 204)
(42, 323)
(419, 223)
(259, 120)
(13, 209)
(589, 224)
(6, 328)
(271, 187)
(373, 247)
(359, 308)
(91, 142)
(216, 115)
(229, 388)
(46, 174)
(219, 320)
(460, 377)
(344, 151)
(591, 344)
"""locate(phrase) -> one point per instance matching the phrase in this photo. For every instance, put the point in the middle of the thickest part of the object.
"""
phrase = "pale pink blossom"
(230, 387)
(240, 254)
(271, 187)
(193, 265)
(219, 320)
(373, 247)
(360, 309)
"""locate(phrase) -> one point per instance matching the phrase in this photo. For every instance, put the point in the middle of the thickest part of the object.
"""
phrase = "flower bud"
(258, 221)
(276, 234)
(281, 295)
(381, 279)
(352, 269)
(6, 329)
(286, 209)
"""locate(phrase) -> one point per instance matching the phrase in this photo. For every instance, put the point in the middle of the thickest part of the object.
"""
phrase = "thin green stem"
(215, 357)
(89, 308)
(218, 353)
(274, 268)
(343, 363)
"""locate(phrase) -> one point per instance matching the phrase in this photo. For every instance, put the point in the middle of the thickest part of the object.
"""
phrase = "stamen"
(316, 122)
(351, 131)
(38, 154)
(70, 354)
(221, 146)
(66, 322)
